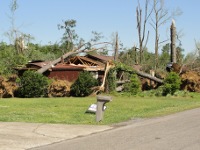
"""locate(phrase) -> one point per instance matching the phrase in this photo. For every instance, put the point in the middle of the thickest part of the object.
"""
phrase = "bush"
(171, 83)
(134, 86)
(82, 86)
(32, 84)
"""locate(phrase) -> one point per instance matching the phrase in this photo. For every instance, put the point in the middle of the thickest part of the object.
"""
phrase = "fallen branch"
(102, 87)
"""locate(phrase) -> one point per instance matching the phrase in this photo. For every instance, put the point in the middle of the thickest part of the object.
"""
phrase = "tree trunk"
(173, 42)
(148, 76)
(156, 48)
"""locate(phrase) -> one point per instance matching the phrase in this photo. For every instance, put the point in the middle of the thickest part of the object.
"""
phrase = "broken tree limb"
(109, 65)
(139, 73)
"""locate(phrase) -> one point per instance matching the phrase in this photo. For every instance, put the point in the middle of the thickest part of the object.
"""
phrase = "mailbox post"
(101, 101)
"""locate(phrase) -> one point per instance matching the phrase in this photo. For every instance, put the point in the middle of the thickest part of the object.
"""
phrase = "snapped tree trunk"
(173, 42)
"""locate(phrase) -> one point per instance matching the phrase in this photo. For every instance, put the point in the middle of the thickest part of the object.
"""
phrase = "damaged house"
(69, 69)
(66, 71)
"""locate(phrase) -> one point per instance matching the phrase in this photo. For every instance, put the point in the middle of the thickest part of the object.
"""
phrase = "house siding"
(69, 75)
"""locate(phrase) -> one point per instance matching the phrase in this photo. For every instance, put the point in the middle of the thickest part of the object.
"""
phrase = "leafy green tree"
(69, 35)
(33, 84)
(82, 86)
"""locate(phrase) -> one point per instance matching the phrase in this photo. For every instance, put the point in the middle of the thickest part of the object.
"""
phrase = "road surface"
(180, 131)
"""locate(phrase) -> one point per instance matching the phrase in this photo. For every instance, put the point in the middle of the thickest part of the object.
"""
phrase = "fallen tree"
(81, 49)
(148, 76)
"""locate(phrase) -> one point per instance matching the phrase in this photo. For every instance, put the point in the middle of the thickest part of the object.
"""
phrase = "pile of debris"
(8, 86)
(190, 78)
(59, 88)
(191, 81)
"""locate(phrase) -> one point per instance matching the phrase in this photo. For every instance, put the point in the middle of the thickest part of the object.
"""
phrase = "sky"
(40, 18)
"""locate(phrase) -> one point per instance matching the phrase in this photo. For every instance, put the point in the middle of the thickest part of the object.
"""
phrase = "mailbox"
(101, 101)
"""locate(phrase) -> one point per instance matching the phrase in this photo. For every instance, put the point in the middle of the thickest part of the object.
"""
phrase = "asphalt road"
(180, 131)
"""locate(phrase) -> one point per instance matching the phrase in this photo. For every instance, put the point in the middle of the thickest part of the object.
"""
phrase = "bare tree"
(17, 38)
(141, 26)
(161, 16)
(12, 33)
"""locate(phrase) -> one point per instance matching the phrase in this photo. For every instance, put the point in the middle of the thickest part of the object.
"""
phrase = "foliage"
(111, 80)
(171, 83)
(32, 84)
(69, 35)
(179, 55)
(128, 57)
(164, 58)
(134, 86)
(82, 86)
(9, 59)
(148, 60)
(123, 67)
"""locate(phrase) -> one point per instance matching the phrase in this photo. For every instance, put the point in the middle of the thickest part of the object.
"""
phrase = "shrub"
(32, 84)
(171, 83)
(82, 86)
(134, 86)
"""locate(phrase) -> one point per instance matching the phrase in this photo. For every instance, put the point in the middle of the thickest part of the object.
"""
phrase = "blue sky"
(41, 17)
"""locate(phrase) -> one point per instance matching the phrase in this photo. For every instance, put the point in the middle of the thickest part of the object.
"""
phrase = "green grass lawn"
(72, 110)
